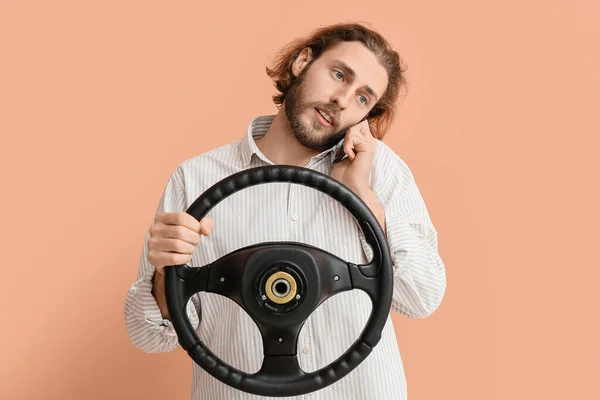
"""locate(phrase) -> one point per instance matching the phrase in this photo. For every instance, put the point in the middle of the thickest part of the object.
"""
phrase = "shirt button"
(294, 217)
(306, 350)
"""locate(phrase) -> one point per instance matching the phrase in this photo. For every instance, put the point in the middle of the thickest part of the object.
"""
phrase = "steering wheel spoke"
(362, 281)
(280, 340)
(281, 366)
(334, 274)
(225, 276)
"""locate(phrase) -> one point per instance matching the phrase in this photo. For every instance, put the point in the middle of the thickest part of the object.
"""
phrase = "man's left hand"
(354, 171)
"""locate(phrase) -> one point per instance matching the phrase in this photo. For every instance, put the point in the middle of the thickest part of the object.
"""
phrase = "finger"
(364, 143)
(161, 258)
(349, 146)
(179, 218)
(172, 245)
(364, 129)
(178, 232)
(350, 142)
(206, 225)
(355, 144)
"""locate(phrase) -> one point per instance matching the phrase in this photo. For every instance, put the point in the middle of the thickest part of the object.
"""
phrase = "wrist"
(362, 191)
(366, 194)
(158, 292)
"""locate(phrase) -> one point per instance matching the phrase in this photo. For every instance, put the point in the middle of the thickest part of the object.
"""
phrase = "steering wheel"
(279, 285)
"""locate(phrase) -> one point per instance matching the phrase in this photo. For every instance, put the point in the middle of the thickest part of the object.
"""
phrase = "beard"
(311, 134)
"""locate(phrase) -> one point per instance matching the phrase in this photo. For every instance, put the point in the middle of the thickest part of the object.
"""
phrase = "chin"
(309, 131)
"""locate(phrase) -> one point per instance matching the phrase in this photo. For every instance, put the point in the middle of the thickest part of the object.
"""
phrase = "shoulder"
(228, 152)
(387, 164)
(208, 167)
(393, 180)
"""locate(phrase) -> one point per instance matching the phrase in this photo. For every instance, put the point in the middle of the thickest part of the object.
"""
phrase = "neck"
(279, 144)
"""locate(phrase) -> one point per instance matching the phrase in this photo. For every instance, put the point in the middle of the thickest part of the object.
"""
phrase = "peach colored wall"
(99, 103)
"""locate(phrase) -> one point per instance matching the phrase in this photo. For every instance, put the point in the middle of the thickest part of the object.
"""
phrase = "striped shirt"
(291, 212)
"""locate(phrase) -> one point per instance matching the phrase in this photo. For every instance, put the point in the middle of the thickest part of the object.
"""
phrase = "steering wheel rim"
(280, 374)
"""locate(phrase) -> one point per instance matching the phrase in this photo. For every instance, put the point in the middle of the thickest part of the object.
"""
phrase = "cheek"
(318, 88)
(351, 119)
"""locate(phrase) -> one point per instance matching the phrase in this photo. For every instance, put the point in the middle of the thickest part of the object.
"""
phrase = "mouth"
(324, 117)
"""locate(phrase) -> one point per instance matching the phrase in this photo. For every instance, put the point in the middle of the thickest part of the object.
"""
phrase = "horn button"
(281, 288)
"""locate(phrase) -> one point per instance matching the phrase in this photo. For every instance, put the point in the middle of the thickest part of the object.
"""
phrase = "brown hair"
(382, 114)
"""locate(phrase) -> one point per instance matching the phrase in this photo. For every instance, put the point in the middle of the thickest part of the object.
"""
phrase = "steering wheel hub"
(281, 287)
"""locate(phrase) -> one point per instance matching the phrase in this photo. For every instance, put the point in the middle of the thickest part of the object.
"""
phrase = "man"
(337, 90)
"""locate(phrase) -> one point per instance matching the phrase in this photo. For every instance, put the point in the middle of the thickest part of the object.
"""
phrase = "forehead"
(363, 61)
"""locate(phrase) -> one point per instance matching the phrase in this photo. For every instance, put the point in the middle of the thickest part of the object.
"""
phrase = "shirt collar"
(258, 127)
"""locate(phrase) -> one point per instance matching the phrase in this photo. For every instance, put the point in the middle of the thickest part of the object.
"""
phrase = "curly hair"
(382, 114)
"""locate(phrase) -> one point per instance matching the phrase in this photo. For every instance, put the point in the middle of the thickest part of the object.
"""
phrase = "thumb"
(206, 225)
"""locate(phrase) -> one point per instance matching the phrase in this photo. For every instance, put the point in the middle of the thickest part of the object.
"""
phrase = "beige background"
(99, 102)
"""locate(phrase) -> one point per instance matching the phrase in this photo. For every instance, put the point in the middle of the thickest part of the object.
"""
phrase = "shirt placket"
(304, 350)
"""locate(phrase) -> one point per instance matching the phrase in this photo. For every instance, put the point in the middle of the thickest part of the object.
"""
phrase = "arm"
(393, 196)
(419, 272)
(146, 318)
(158, 292)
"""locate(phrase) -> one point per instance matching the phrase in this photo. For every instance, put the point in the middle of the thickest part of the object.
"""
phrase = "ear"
(301, 61)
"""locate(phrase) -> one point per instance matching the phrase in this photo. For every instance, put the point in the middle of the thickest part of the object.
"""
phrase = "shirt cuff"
(151, 312)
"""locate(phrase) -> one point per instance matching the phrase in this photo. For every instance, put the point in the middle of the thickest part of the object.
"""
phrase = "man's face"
(333, 93)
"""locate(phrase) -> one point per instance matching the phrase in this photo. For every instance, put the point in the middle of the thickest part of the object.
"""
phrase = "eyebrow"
(349, 71)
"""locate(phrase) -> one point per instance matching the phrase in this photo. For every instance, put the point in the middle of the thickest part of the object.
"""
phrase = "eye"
(339, 75)
(363, 99)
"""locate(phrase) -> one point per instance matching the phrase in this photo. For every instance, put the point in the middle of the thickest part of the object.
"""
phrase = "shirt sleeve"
(419, 272)
(147, 329)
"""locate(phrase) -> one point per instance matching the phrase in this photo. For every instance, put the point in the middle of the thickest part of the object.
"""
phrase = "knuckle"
(157, 228)
(190, 248)
(181, 218)
(178, 246)
(195, 237)
(177, 259)
(180, 232)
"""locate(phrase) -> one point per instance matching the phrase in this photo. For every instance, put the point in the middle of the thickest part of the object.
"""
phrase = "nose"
(341, 97)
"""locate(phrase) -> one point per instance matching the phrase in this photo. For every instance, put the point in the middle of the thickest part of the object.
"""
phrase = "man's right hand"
(173, 238)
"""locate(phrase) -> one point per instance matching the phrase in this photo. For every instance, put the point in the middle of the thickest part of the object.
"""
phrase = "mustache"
(331, 109)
